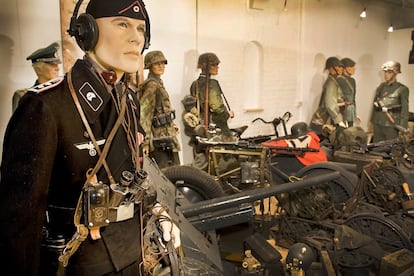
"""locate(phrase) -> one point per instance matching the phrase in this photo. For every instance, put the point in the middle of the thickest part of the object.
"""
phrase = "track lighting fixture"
(363, 14)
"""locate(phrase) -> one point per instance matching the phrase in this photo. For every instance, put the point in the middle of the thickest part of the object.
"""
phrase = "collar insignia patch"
(90, 96)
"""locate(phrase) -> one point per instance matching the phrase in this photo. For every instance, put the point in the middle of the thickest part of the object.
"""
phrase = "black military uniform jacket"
(44, 164)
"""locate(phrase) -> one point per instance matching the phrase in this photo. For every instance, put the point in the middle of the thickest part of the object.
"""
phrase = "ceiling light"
(363, 13)
(390, 29)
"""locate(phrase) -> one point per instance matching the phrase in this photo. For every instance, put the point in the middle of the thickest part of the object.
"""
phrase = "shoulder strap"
(349, 84)
(197, 96)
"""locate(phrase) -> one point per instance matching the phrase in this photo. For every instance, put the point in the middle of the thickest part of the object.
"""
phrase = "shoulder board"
(402, 85)
(45, 86)
(21, 91)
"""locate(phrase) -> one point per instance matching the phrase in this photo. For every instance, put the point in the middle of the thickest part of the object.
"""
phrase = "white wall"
(294, 43)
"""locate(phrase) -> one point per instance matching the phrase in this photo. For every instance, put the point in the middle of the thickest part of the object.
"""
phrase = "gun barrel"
(391, 142)
(253, 195)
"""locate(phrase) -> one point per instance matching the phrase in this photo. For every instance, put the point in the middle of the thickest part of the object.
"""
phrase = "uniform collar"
(391, 84)
(93, 91)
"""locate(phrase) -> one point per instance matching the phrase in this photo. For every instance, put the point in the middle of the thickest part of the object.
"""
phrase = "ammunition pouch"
(163, 143)
(163, 119)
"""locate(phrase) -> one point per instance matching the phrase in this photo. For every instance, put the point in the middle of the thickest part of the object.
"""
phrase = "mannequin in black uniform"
(49, 152)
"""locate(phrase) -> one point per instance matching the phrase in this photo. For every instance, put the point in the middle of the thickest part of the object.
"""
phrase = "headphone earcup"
(86, 32)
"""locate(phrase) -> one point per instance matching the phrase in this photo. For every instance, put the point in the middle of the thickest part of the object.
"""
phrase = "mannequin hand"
(342, 124)
(170, 231)
(191, 120)
(145, 149)
(370, 128)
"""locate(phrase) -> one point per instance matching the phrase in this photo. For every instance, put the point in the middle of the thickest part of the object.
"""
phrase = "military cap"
(48, 54)
(109, 8)
(348, 62)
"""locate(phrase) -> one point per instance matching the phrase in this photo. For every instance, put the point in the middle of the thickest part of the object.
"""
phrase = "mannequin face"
(390, 76)
(158, 68)
(121, 40)
(46, 71)
(214, 69)
(339, 70)
(336, 70)
(349, 71)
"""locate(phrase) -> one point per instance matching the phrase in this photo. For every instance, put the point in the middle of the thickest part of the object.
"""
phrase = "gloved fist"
(170, 231)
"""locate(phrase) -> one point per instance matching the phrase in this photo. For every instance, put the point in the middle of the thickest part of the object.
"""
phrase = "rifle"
(225, 100)
(206, 96)
(292, 151)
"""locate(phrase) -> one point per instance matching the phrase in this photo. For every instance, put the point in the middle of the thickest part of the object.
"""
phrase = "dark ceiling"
(401, 12)
(401, 3)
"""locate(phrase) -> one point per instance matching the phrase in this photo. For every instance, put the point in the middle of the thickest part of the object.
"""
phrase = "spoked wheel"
(195, 184)
(389, 235)
(383, 188)
(320, 201)
(342, 188)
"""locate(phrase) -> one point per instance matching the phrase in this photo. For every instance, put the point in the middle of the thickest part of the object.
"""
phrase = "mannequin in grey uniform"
(390, 106)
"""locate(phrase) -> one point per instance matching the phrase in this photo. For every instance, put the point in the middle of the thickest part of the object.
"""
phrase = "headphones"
(85, 29)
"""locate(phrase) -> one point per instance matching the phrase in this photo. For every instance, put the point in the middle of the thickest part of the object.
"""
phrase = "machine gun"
(400, 149)
(198, 221)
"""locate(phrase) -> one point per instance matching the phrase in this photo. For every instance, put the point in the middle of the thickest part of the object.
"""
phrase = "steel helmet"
(300, 255)
(332, 62)
(347, 62)
(154, 57)
(392, 66)
(299, 129)
(207, 60)
(189, 102)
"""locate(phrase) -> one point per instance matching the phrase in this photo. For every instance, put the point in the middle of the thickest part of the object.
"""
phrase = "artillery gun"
(198, 221)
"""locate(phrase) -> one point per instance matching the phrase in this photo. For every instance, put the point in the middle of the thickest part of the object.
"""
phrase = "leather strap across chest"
(81, 230)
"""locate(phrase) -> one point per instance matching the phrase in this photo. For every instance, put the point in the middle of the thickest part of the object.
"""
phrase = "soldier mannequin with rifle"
(211, 103)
